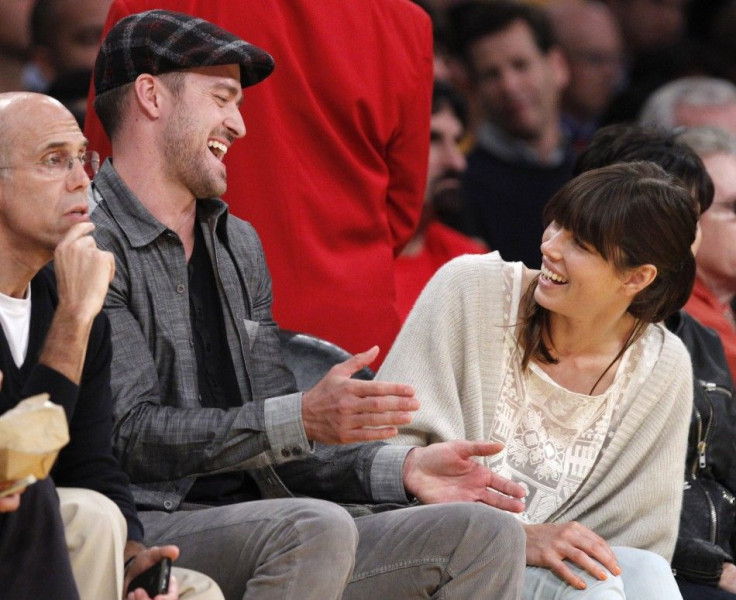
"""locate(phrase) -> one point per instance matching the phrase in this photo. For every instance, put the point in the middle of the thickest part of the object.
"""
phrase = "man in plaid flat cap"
(209, 424)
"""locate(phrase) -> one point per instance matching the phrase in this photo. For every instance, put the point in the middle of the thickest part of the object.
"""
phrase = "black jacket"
(87, 461)
(707, 534)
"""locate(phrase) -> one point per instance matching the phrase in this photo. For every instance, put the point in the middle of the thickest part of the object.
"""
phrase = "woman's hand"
(549, 544)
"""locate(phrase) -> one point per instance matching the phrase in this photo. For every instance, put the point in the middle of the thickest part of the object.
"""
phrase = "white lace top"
(552, 436)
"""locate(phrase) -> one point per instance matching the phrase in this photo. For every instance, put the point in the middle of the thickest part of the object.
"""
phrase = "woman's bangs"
(587, 216)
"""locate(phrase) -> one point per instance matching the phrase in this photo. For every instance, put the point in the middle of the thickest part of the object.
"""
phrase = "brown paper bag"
(31, 435)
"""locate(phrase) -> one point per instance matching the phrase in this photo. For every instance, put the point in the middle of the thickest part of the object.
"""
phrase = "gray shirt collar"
(505, 146)
(139, 226)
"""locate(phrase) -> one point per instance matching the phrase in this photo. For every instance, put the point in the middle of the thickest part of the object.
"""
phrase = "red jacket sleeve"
(408, 151)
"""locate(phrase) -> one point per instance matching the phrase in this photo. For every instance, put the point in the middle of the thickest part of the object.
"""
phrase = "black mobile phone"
(154, 580)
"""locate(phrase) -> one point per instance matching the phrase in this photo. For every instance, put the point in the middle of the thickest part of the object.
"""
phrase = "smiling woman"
(570, 369)
(624, 243)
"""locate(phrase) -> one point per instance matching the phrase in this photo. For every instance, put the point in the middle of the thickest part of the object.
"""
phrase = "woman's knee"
(542, 584)
(646, 575)
(635, 559)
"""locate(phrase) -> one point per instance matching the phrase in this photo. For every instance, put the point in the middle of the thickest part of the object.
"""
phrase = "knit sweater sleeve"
(440, 351)
(663, 457)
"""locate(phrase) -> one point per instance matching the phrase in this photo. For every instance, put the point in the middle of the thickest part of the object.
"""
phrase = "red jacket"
(333, 168)
(705, 307)
(441, 244)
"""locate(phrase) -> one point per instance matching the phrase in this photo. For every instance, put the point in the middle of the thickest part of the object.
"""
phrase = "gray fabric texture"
(162, 435)
(297, 548)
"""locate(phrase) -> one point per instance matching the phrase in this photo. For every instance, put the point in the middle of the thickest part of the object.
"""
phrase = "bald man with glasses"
(53, 339)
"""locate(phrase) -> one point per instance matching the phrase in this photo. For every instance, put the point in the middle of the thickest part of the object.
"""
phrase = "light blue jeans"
(644, 576)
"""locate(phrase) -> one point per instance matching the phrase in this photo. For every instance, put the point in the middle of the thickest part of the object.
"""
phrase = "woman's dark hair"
(632, 214)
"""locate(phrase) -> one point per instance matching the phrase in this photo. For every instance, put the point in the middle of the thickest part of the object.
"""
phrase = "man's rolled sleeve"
(285, 429)
(387, 474)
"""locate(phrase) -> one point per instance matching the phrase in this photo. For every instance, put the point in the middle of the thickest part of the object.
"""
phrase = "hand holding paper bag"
(31, 435)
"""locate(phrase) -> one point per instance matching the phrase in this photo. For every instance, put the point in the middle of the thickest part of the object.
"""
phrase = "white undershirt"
(15, 318)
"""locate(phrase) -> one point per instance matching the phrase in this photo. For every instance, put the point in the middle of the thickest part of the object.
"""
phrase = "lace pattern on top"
(553, 437)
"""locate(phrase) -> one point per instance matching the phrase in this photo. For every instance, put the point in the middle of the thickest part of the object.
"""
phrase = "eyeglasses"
(59, 164)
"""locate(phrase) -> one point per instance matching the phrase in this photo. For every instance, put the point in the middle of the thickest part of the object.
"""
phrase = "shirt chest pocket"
(251, 328)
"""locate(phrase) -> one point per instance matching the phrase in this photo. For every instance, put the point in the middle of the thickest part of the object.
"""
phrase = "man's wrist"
(73, 318)
(132, 550)
(387, 474)
(285, 429)
(129, 561)
(408, 467)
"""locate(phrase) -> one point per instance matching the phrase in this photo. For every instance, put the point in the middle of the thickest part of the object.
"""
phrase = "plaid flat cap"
(161, 41)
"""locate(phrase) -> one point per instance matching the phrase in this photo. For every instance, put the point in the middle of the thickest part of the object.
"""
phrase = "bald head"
(21, 114)
(577, 20)
(10, 102)
(43, 183)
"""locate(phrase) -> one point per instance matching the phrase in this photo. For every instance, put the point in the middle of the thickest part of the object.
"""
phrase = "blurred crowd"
(373, 158)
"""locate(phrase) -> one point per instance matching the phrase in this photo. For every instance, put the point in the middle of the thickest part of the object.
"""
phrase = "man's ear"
(148, 91)
(560, 68)
(638, 278)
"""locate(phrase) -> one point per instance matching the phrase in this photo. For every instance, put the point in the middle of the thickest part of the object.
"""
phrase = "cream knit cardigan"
(449, 349)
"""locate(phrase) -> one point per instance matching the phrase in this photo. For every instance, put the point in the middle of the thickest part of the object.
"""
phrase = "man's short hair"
(475, 20)
(659, 109)
(110, 106)
(706, 141)
(444, 96)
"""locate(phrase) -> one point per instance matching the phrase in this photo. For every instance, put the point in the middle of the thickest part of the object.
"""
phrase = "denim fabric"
(644, 576)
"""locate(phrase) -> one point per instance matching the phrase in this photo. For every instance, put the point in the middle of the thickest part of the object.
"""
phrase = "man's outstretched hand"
(341, 410)
(446, 472)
